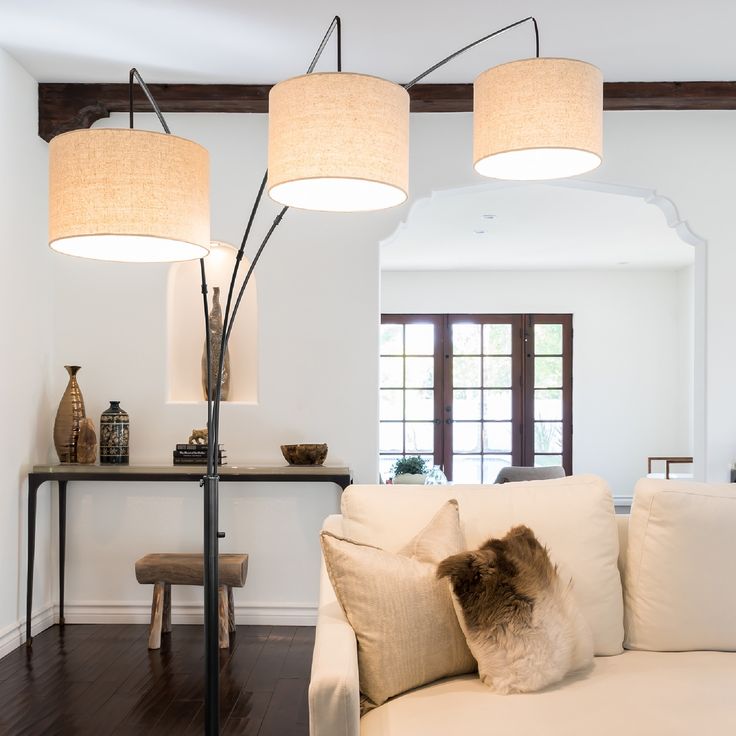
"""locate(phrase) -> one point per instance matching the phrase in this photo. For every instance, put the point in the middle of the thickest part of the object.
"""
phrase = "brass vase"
(215, 327)
(68, 416)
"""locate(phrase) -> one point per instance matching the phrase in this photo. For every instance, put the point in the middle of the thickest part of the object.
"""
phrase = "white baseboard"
(139, 612)
(13, 636)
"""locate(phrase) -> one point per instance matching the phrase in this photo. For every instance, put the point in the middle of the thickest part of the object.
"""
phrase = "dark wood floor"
(95, 679)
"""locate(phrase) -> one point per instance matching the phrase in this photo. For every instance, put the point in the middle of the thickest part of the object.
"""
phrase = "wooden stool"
(164, 570)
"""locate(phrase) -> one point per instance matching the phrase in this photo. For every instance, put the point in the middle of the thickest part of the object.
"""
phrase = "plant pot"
(410, 478)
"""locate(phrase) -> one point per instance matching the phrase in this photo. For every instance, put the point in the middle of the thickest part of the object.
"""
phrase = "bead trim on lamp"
(338, 142)
(128, 195)
(538, 118)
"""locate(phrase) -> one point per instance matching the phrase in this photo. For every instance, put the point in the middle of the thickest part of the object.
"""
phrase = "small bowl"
(304, 454)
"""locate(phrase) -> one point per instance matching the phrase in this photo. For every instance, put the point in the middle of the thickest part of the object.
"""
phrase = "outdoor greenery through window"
(475, 393)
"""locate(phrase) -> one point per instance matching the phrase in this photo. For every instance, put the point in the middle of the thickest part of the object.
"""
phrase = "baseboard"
(139, 612)
(11, 637)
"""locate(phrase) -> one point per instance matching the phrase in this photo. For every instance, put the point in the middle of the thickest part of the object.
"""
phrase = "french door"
(474, 393)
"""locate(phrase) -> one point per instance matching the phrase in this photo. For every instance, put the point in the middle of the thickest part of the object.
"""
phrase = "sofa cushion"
(636, 694)
(680, 591)
(574, 517)
(402, 614)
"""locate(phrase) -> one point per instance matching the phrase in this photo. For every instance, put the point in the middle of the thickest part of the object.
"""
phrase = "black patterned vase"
(114, 435)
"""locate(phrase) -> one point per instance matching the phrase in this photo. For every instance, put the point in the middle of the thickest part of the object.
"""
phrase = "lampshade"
(128, 195)
(538, 119)
(338, 142)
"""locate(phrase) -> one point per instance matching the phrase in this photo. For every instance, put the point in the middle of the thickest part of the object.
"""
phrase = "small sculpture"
(86, 442)
(216, 328)
(198, 437)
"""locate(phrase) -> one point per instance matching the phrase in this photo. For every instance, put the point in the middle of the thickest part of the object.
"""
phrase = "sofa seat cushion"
(573, 517)
(636, 694)
(680, 590)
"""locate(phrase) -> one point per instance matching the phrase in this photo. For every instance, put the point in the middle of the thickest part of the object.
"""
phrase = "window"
(475, 393)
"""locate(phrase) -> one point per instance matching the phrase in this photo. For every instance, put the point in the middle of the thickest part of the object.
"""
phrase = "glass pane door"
(482, 392)
(408, 390)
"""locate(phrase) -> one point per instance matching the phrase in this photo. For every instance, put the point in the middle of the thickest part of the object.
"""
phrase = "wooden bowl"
(304, 454)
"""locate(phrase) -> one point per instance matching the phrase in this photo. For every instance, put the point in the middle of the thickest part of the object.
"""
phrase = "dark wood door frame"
(71, 106)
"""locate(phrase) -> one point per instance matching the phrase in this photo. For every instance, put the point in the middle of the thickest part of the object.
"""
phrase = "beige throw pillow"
(680, 591)
(403, 617)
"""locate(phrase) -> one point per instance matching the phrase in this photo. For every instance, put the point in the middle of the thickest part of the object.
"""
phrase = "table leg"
(32, 495)
(62, 546)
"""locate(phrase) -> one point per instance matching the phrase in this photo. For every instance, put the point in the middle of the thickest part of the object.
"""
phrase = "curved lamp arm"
(461, 51)
(132, 78)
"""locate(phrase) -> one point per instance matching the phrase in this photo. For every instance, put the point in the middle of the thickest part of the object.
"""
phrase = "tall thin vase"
(68, 416)
(215, 327)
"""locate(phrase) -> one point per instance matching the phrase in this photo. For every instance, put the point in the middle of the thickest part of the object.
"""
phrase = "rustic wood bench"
(166, 569)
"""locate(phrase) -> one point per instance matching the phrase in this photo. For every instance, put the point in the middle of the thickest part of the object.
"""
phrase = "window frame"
(522, 384)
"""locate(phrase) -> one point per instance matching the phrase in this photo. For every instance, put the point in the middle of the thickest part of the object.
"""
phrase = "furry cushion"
(520, 619)
(403, 617)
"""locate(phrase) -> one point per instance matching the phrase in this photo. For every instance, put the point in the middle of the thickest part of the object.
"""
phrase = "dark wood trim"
(70, 106)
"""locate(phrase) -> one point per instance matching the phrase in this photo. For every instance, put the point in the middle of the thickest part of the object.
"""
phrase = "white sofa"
(647, 693)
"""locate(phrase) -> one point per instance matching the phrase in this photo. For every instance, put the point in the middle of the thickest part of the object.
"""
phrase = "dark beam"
(68, 106)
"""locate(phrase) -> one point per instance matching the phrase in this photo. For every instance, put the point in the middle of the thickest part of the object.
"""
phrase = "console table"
(63, 474)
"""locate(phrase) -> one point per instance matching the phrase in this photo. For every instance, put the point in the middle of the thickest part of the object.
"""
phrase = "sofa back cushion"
(574, 517)
(680, 590)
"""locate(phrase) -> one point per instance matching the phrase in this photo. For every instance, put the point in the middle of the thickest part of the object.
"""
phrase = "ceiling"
(534, 226)
(236, 41)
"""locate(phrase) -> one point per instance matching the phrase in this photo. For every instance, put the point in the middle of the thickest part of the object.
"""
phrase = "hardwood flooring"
(102, 679)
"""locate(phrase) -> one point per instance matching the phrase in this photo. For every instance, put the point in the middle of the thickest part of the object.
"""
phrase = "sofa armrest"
(334, 691)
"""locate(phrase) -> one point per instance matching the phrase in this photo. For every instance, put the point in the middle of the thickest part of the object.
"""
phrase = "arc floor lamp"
(338, 142)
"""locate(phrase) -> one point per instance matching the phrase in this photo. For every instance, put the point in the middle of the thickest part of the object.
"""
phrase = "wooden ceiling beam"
(70, 106)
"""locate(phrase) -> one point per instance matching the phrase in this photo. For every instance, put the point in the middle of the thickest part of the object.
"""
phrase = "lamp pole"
(210, 482)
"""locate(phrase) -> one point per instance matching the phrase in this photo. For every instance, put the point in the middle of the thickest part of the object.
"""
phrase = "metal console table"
(63, 474)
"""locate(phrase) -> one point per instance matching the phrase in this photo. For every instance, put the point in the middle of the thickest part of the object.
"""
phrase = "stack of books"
(196, 455)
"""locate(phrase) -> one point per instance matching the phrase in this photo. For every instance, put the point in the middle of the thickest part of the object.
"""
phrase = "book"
(196, 461)
(195, 447)
(193, 453)
(178, 455)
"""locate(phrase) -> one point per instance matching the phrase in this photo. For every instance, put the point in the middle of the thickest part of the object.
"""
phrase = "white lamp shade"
(338, 142)
(538, 119)
(128, 195)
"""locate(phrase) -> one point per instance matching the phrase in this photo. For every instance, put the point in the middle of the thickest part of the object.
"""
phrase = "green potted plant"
(410, 470)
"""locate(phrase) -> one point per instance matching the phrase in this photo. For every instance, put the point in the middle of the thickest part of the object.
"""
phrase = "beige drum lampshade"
(538, 119)
(128, 195)
(338, 142)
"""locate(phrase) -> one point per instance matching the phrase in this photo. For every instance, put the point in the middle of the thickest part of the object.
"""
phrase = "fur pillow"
(520, 620)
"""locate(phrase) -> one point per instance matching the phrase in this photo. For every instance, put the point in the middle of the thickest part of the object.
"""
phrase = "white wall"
(318, 314)
(318, 319)
(25, 329)
(687, 309)
(630, 389)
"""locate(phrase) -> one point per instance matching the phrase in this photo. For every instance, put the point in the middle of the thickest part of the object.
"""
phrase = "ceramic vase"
(114, 435)
(86, 442)
(68, 416)
(215, 327)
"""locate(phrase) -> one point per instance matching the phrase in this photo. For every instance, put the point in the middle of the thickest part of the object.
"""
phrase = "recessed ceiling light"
(623, 263)
(488, 217)
(479, 232)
